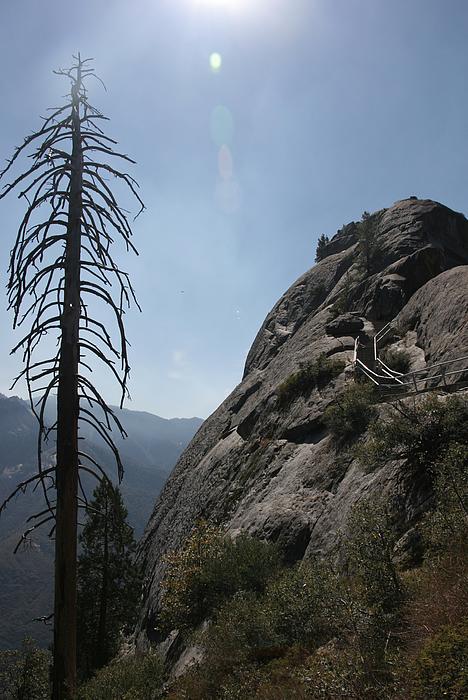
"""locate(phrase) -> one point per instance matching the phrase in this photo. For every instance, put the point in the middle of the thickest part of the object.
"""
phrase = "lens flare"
(228, 196)
(216, 61)
(222, 126)
(225, 163)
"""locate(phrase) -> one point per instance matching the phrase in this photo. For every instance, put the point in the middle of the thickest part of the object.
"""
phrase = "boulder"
(345, 324)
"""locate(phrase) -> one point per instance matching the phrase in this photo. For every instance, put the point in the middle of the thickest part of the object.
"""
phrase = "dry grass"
(438, 596)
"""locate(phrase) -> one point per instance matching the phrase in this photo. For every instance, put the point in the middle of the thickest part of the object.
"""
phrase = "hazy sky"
(319, 110)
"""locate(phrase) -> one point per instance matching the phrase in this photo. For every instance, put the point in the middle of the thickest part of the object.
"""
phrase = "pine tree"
(108, 579)
(320, 250)
(368, 243)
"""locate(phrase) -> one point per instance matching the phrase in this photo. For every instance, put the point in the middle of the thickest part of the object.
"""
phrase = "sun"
(227, 4)
(238, 10)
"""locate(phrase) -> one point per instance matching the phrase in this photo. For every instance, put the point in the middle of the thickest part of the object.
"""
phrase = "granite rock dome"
(277, 473)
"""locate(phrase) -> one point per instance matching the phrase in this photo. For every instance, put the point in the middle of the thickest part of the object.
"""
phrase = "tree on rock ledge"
(322, 242)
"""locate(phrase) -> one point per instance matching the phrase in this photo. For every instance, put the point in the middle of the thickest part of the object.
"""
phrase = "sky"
(256, 125)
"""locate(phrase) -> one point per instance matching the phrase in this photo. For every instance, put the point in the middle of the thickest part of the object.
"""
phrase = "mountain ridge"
(26, 579)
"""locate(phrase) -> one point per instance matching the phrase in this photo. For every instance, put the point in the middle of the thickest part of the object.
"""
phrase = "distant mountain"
(149, 453)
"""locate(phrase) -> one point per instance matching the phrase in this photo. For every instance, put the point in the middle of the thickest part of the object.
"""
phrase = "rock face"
(255, 465)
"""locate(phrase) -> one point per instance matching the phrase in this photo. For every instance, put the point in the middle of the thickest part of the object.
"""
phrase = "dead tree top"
(36, 272)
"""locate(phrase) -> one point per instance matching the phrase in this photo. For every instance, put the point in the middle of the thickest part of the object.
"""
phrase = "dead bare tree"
(61, 270)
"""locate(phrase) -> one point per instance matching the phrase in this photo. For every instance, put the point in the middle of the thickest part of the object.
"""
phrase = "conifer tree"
(108, 579)
(320, 250)
(62, 269)
(368, 243)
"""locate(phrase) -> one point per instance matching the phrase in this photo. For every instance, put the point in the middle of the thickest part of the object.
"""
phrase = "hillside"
(265, 462)
(151, 449)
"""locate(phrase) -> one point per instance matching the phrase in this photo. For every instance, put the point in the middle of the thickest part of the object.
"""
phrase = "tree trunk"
(64, 671)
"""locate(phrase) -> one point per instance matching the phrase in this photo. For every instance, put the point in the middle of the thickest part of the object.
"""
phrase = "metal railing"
(377, 379)
(356, 345)
(409, 381)
(378, 336)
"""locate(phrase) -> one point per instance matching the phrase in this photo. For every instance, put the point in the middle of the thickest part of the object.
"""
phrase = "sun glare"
(219, 2)
(227, 4)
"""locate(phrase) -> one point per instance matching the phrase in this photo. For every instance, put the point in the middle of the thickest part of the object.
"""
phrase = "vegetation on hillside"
(361, 629)
(209, 570)
(312, 375)
(24, 673)
(419, 432)
(135, 677)
(368, 630)
(349, 416)
(353, 626)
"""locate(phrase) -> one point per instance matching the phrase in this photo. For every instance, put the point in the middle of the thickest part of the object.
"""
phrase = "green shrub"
(312, 375)
(241, 684)
(209, 569)
(339, 671)
(251, 634)
(184, 588)
(309, 632)
(447, 526)
(396, 360)
(277, 679)
(303, 606)
(352, 412)
(248, 563)
(240, 626)
(243, 630)
(441, 668)
(131, 678)
(420, 432)
(300, 608)
(258, 643)
(24, 673)
(375, 594)
(369, 543)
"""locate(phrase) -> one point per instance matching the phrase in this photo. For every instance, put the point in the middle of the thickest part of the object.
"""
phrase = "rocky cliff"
(275, 471)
